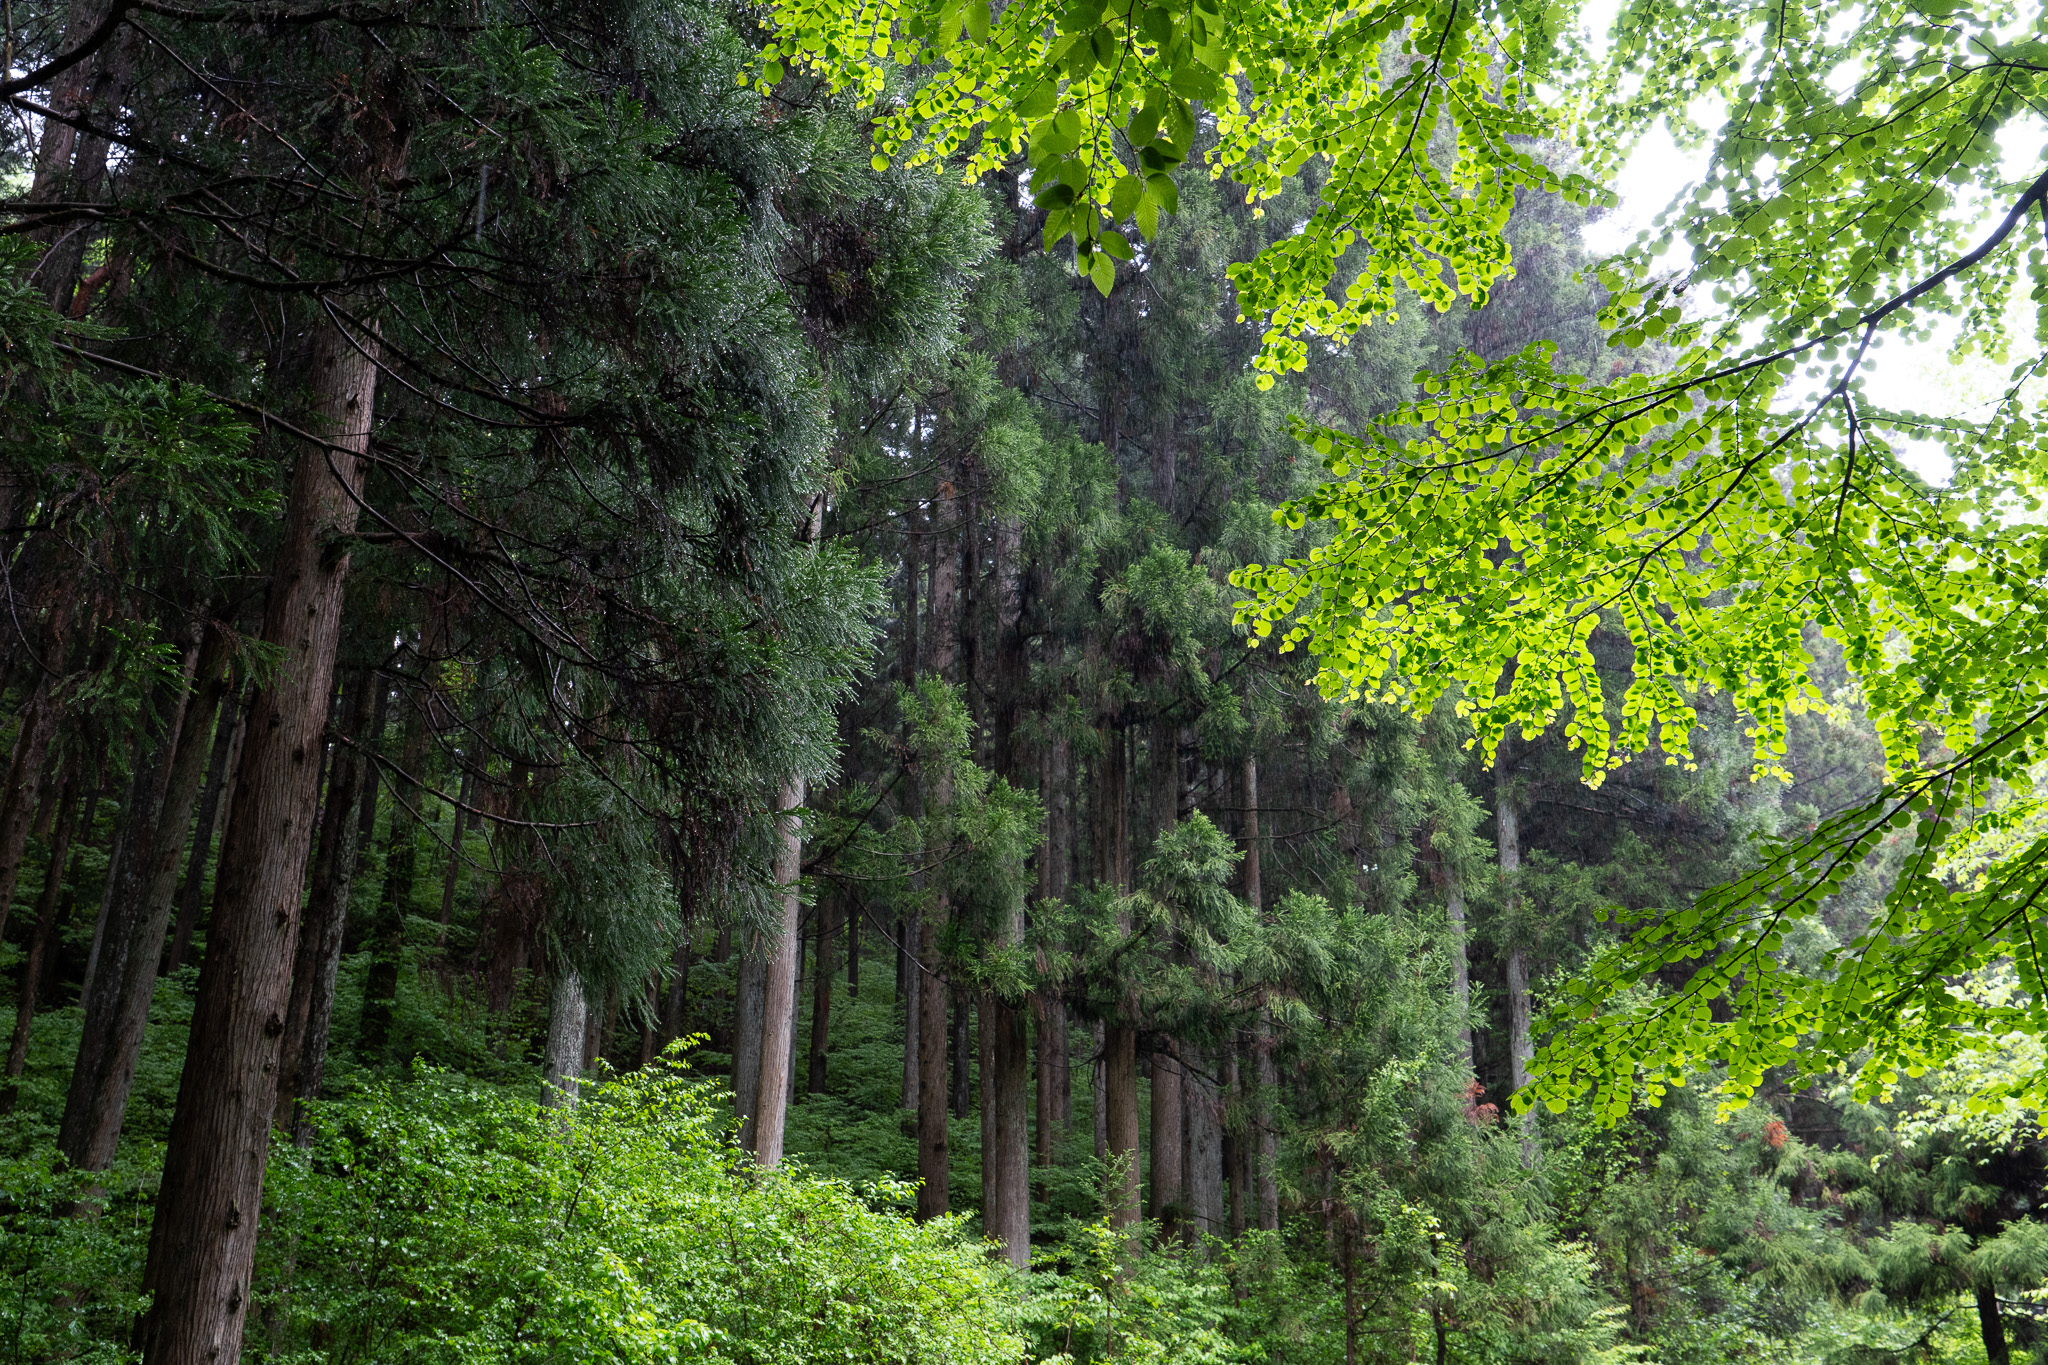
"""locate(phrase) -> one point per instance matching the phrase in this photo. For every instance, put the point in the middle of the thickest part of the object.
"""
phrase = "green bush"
(439, 1219)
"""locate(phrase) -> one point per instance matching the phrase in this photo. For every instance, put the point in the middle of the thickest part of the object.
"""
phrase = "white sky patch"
(1900, 375)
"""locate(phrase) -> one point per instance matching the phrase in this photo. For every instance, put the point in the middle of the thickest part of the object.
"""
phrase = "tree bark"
(1461, 963)
(395, 900)
(750, 989)
(1169, 1136)
(778, 1013)
(448, 883)
(821, 994)
(31, 742)
(1120, 1121)
(1006, 1169)
(934, 1152)
(1508, 829)
(69, 812)
(1264, 1142)
(203, 1237)
(911, 989)
(1991, 1326)
(562, 1057)
(123, 977)
(227, 750)
(309, 1017)
(1235, 1162)
(1202, 1108)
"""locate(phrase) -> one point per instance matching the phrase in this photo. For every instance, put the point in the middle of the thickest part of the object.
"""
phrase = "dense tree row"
(531, 557)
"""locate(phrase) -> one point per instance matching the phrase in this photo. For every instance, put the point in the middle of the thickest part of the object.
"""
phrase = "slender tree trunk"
(821, 994)
(778, 1014)
(1120, 1121)
(1461, 963)
(1234, 1146)
(1169, 1137)
(1055, 1085)
(934, 1152)
(961, 1070)
(123, 977)
(853, 920)
(395, 901)
(203, 1238)
(31, 741)
(68, 815)
(1264, 1136)
(1508, 828)
(749, 1008)
(1991, 1326)
(227, 750)
(568, 1020)
(448, 883)
(1203, 1162)
(1098, 1106)
(309, 1017)
(1006, 1170)
(911, 989)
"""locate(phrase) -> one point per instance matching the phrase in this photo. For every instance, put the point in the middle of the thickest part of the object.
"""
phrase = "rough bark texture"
(1120, 1120)
(31, 742)
(395, 902)
(778, 1012)
(1507, 827)
(309, 1018)
(1264, 1143)
(908, 933)
(821, 995)
(1461, 964)
(1169, 1137)
(116, 998)
(220, 782)
(203, 1239)
(68, 815)
(568, 1020)
(751, 988)
(1006, 1173)
(1236, 1166)
(934, 1154)
(1202, 1111)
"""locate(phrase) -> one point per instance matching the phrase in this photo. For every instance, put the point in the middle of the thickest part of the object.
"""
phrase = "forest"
(942, 682)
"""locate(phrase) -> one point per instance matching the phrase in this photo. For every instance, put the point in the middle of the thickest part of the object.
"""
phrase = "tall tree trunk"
(1006, 1172)
(821, 993)
(750, 995)
(960, 1074)
(309, 1017)
(1991, 1326)
(568, 1020)
(942, 641)
(1235, 1149)
(1508, 829)
(395, 901)
(203, 1238)
(1169, 1134)
(1120, 1128)
(32, 734)
(1461, 963)
(220, 786)
(1120, 1120)
(69, 813)
(911, 989)
(860, 912)
(1203, 1162)
(449, 882)
(1055, 1079)
(778, 1014)
(1264, 1142)
(123, 976)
